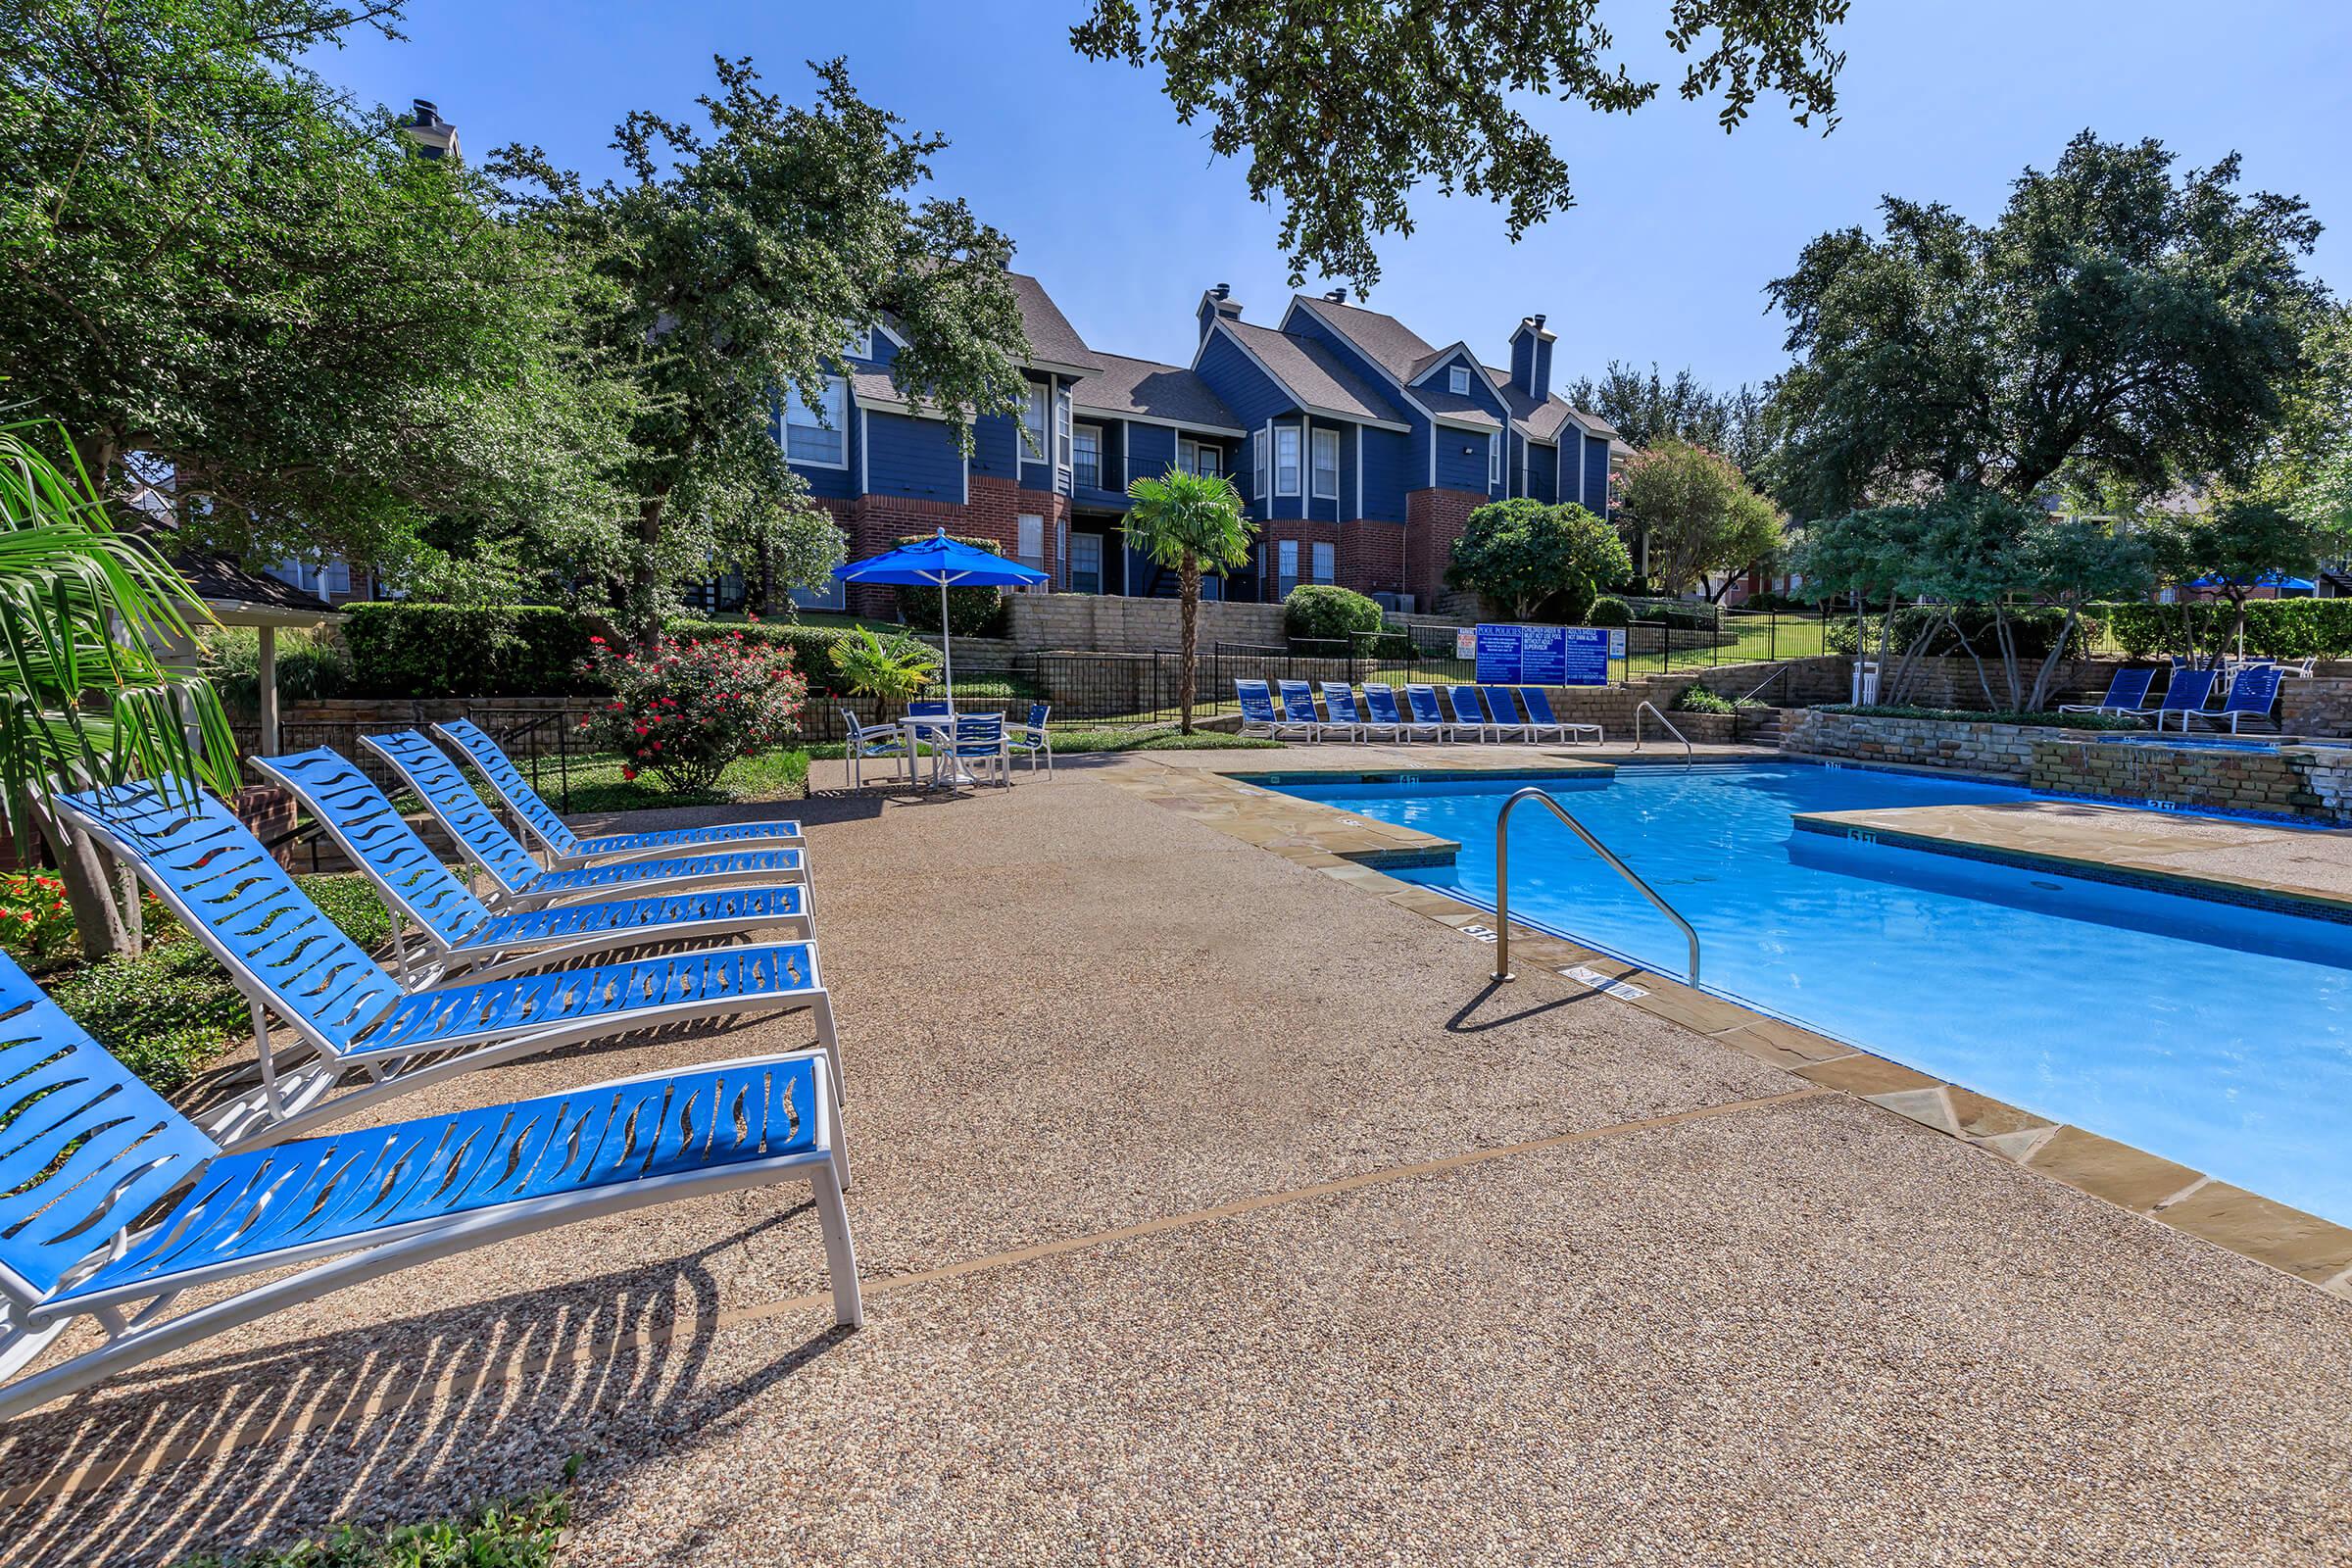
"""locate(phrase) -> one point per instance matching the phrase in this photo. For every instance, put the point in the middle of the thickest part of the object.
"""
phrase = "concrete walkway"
(1215, 1212)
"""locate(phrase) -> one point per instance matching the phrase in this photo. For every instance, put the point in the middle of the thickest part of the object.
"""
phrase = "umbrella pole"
(947, 642)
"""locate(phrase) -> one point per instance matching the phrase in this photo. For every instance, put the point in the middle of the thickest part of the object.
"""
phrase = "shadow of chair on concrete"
(395, 1422)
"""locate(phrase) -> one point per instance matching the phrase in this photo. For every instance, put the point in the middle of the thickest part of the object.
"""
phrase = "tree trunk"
(90, 877)
(1188, 584)
(645, 582)
(2049, 666)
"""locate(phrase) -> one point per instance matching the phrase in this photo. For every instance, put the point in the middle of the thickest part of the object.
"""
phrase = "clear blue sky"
(1126, 217)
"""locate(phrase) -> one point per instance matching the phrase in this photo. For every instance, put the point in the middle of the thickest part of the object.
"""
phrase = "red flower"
(629, 774)
(641, 729)
(595, 642)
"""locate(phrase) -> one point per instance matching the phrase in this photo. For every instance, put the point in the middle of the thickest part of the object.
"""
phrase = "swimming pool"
(2214, 1035)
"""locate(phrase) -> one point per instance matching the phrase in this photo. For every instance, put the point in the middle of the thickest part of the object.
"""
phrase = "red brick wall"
(1434, 520)
(876, 524)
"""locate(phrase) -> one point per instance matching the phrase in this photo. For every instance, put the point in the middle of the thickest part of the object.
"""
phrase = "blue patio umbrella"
(942, 563)
(2268, 580)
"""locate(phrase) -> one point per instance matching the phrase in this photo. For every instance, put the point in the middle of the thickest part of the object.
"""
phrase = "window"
(1029, 541)
(1032, 425)
(1194, 457)
(338, 576)
(1061, 423)
(1494, 461)
(1327, 464)
(1323, 558)
(1286, 567)
(1086, 563)
(1458, 381)
(1087, 456)
(806, 439)
(1286, 460)
(1257, 452)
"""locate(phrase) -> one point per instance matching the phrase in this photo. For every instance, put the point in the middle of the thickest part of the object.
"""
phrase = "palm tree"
(85, 695)
(1189, 521)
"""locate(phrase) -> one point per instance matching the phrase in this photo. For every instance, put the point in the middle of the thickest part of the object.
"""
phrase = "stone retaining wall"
(1973, 747)
(2300, 781)
(1108, 624)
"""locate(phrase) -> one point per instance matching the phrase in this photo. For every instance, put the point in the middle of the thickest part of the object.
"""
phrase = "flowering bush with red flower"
(34, 919)
(688, 709)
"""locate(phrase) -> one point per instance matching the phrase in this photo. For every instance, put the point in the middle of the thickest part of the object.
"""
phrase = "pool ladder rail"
(1502, 879)
(1653, 709)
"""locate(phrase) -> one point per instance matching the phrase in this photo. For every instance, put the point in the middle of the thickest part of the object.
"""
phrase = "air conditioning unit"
(1399, 603)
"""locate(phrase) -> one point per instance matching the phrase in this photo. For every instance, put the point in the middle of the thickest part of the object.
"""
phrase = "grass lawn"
(521, 1534)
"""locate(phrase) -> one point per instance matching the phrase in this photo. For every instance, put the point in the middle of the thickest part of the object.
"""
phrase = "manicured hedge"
(2033, 630)
(2284, 628)
(1326, 612)
(811, 646)
(413, 650)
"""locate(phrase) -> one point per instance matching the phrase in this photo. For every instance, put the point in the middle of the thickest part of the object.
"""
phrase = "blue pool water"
(2213, 1035)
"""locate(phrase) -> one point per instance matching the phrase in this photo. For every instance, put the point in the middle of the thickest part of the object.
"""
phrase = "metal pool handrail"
(1653, 709)
(1502, 879)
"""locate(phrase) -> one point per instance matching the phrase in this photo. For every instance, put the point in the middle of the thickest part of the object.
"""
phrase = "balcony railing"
(1111, 471)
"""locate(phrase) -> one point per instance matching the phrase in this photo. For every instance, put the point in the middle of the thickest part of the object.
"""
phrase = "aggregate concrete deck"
(2198, 854)
(1213, 1210)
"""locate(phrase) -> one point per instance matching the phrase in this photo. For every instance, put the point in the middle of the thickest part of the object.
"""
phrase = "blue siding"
(913, 458)
(1523, 357)
(1247, 391)
(1543, 473)
(1542, 387)
(996, 444)
(1393, 464)
(1150, 451)
(1482, 391)
(1457, 468)
(1595, 496)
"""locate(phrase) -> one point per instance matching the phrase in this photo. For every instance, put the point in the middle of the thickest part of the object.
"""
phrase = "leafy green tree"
(1701, 519)
(86, 696)
(2239, 543)
(1535, 560)
(745, 265)
(1188, 521)
(228, 280)
(1344, 107)
(1647, 406)
(2115, 320)
(1869, 557)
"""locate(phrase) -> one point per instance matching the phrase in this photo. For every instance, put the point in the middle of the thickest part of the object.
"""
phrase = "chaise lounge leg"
(841, 1254)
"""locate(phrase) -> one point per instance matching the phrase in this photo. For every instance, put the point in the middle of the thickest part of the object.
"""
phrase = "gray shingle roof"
(1387, 342)
(1053, 340)
(1127, 387)
(1314, 374)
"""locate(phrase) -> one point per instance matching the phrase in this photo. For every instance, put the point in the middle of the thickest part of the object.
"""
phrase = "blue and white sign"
(1544, 656)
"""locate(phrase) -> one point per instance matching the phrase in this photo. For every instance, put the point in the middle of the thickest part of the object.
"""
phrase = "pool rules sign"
(1510, 654)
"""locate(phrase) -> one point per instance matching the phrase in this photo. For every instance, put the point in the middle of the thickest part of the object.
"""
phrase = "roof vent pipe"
(1336, 296)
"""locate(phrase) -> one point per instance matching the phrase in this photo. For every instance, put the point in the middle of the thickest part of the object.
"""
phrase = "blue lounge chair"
(1259, 717)
(1298, 707)
(111, 1199)
(1031, 740)
(1539, 719)
(2184, 695)
(290, 959)
(868, 743)
(1508, 724)
(1340, 699)
(519, 879)
(460, 933)
(566, 848)
(2126, 693)
(976, 738)
(1428, 717)
(1467, 714)
(1379, 701)
(2253, 692)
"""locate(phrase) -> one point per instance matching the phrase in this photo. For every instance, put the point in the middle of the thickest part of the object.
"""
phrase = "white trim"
(1172, 424)
(1298, 462)
(863, 447)
(967, 478)
(883, 327)
(1494, 460)
(1359, 473)
(906, 409)
(792, 399)
(1453, 371)
(1457, 421)
(1527, 467)
(1315, 467)
(1267, 370)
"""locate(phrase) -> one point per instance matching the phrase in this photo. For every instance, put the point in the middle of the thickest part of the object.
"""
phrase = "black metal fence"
(543, 743)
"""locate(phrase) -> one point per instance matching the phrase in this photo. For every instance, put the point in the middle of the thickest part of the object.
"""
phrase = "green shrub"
(2034, 629)
(693, 705)
(971, 612)
(2049, 720)
(2282, 628)
(1700, 700)
(521, 1534)
(1321, 611)
(811, 647)
(1783, 604)
(413, 650)
(1609, 611)
(310, 665)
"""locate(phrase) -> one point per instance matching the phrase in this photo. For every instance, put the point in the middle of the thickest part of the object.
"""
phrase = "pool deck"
(1214, 1208)
(2209, 856)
